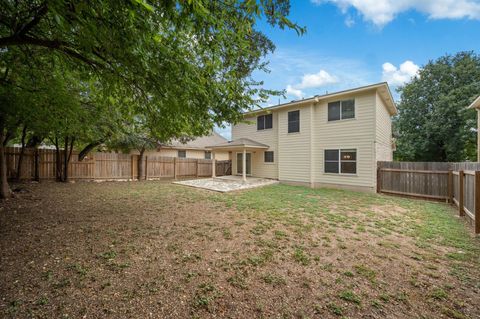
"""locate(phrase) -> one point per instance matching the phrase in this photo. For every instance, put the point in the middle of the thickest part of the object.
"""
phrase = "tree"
(186, 65)
(433, 122)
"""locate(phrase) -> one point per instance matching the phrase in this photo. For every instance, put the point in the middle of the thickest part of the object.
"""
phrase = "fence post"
(196, 167)
(450, 186)
(174, 168)
(146, 167)
(460, 193)
(477, 202)
(94, 170)
(379, 179)
(132, 169)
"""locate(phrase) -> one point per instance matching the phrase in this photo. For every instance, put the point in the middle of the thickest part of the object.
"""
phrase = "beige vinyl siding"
(357, 133)
(294, 148)
(169, 152)
(383, 139)
(268, 137)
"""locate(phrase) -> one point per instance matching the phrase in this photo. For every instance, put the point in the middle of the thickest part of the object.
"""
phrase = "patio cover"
(241, 144)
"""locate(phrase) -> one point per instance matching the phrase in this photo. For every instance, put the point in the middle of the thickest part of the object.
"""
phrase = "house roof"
(382, 88)
(475, 104)
(239, 143)
(201, 142)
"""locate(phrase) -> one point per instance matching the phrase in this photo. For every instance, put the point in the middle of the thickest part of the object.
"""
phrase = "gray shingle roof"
(241, 142)
(201, 142)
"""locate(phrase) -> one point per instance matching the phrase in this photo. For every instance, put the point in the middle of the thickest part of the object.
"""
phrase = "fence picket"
(457, 183)
(112, 166)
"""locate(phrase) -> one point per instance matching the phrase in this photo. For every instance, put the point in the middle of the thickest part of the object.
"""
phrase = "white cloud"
(398, 76)
(381, 12)
(309, 81)
(295, 92)
(349, 21)
(316, 80)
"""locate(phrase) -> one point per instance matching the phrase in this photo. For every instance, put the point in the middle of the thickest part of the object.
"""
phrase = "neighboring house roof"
(239, 143)
(201, 142)
(382, 88)
(475, 104)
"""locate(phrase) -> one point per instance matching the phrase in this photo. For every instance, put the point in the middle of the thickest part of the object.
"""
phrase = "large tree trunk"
(5, 190)
(58, 162)
(140, 165)
(65, 160)
(34, 142)
(67, 156)
(36, 160)
(22, 153)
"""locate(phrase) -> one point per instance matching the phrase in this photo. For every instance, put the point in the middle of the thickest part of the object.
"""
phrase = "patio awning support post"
(244, 165)
(214, 165)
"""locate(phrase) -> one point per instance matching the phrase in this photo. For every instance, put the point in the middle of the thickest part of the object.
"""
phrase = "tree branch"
(58, 45)
(42, 10)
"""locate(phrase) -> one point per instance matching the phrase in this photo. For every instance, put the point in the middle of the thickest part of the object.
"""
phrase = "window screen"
(348, 109)
(260, 122)
(268, 121)
(264, 122)
(334, 111)
(268, 157)
(293, 121)
(182, 153)
(331, 161)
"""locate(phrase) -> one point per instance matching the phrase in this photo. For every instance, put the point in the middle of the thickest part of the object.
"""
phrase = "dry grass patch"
(152, 249)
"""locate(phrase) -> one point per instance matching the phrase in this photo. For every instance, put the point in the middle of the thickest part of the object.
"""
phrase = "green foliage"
(433, 122)
(93, 72)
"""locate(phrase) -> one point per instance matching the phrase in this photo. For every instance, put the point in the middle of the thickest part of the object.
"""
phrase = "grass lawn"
(153, 249)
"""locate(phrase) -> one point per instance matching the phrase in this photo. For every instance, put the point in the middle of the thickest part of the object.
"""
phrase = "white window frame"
(178, 153)
(341, 107)
(339, 150)
(288, 122)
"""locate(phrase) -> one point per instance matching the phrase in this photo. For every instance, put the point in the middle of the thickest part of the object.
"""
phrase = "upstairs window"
(341, 161)
(341, 110)
(264, 122)
(268, 157)
(182, 153)
(208, 155)
(293, 121)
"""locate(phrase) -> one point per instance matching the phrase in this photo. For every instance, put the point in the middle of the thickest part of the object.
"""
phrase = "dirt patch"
(153, 249)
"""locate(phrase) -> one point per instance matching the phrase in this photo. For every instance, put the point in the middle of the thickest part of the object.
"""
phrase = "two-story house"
(329, 140)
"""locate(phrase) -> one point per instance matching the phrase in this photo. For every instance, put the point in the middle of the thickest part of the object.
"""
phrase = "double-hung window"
(343, 161)
(341, 110)
(293, 121)
(208, 155)
(264, 122)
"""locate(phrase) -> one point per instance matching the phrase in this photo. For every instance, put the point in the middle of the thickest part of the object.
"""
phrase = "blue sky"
(351, 43)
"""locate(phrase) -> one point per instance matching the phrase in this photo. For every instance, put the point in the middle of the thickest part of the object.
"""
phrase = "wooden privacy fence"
(112, 166)
(456, 183)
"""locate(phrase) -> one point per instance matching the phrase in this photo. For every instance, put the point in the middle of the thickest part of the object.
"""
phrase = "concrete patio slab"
(226, 184)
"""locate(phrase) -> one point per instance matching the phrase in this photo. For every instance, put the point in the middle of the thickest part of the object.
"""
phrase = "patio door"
(240, 163)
